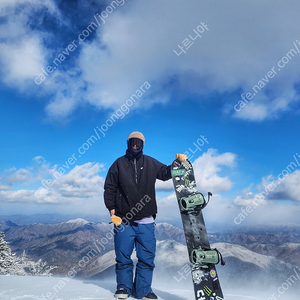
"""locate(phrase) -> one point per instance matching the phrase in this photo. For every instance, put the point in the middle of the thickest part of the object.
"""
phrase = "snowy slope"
(245, 254)
(172, 264)
(48, 288)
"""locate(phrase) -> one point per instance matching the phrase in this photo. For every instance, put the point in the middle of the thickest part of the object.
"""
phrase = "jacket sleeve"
(111, 186)
(164, 172)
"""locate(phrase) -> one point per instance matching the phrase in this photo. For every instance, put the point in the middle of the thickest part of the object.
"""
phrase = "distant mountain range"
(87, 249)
(22, 220)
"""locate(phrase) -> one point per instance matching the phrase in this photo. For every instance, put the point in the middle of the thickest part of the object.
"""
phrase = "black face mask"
(135, 142)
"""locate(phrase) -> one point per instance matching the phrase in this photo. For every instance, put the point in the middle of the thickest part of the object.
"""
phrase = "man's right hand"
(116, 220)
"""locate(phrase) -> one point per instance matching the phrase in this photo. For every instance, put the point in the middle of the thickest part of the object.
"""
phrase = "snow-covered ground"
(49, 288)
(57, 288)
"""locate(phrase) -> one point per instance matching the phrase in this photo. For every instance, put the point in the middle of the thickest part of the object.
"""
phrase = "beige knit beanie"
(136, 134)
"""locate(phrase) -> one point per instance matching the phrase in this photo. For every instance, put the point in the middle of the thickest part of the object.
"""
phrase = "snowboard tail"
(202, 258)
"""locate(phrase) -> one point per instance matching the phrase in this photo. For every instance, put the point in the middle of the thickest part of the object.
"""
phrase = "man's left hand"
(181, 157)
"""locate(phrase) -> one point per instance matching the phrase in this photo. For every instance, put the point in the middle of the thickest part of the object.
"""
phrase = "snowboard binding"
(201, 256)
(193, 202)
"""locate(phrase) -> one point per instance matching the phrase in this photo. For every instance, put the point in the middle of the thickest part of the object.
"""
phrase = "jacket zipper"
(135, 170)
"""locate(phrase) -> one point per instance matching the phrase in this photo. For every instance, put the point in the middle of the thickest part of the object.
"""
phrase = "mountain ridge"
(78, 241)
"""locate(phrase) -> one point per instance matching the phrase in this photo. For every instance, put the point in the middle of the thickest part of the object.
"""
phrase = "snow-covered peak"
(78, 222)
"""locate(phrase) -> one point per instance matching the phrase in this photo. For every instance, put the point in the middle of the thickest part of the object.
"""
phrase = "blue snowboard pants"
(142, 237)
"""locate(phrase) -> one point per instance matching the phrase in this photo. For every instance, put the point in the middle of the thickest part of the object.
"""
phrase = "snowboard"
(202, 258)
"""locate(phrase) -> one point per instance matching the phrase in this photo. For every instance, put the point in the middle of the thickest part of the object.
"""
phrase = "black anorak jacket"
(129, 186)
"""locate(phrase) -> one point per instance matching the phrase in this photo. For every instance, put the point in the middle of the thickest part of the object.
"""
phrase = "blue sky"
(70, 69)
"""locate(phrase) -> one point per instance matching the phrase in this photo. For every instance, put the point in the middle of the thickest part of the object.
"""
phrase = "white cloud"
(4, 4)
(68, 95)
(80, 190)
(265, 108)
(81, 182)
(136, 45)
(22, 53)
(164, 185)
(22, 61)
(284, 187)
(224, 211)
(267, 203)
(80, 186)
(4, 187)
(21, 196)
(14, 176)
(289, 189)
(235, 53)
(267, 213)
(207, 168)
(20, 175)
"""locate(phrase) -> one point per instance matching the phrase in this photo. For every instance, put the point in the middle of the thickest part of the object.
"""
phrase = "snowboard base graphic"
(202, 258)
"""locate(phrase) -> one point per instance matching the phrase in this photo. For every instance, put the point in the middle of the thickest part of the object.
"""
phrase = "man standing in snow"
(129, 195)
